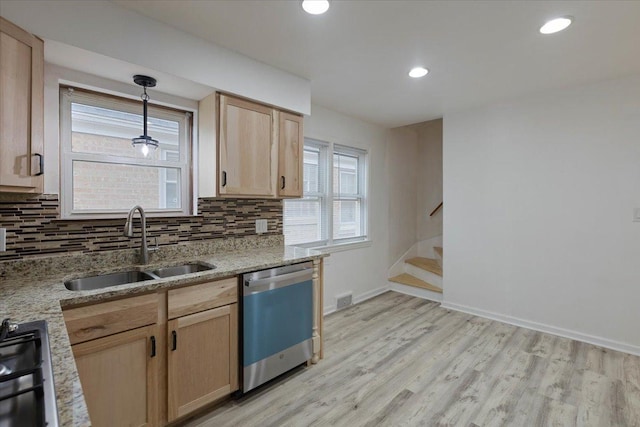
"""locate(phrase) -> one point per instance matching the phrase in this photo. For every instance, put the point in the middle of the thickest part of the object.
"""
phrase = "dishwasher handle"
(280, 280)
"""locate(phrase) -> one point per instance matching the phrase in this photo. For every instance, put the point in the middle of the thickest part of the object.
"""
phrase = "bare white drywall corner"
(538, 194)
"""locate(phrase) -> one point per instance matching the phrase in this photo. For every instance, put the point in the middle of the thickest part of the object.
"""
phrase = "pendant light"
(144, 141)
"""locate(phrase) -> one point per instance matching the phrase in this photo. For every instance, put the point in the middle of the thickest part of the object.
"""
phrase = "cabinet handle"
(283, 181)
(224, 178)
(174, 341)
(41, 162)
(153, 346)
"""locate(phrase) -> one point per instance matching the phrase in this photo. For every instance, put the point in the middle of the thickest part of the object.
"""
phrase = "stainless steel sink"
(106, 280)
(179, 270)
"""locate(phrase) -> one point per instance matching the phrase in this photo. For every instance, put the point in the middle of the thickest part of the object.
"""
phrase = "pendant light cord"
(145, 98)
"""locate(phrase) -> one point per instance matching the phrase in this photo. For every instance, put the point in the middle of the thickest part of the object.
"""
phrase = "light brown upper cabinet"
(290, 157)
(21, 110)
(246, 147)
(259, 148)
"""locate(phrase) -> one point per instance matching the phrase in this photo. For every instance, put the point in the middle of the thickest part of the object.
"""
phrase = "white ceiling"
(357, 55)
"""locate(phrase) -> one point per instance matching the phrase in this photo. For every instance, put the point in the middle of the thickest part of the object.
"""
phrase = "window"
(333, 208)
(103, 175)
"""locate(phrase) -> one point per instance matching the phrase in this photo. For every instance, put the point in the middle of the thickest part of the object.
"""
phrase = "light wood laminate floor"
(398, 360)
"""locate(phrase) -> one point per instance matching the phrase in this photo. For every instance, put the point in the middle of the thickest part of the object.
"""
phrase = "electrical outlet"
(3, 239)
(343, 300)
(261, 226)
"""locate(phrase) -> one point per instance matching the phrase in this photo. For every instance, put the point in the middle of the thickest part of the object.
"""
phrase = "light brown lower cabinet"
(133, 353)
(119, 376)
(202, 359)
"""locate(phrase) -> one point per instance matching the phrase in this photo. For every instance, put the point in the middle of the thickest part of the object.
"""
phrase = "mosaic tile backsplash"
(34, 228)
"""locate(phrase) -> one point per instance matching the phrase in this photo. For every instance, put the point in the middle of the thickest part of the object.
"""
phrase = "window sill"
(342, 247)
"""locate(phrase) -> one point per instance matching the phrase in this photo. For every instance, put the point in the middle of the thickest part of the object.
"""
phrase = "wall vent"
(344, 300)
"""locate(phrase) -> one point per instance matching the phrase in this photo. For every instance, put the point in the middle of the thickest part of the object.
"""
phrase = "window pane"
(346, 219)
(109, 186)
(302, 221)
(311, 171)
(98, 130)
(345, 174)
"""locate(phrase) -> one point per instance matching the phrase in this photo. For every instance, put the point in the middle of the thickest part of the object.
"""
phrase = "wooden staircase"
(422, 273)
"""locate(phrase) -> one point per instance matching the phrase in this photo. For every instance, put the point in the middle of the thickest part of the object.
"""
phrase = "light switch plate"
(3, 239)
(261, 226)
(636, 215)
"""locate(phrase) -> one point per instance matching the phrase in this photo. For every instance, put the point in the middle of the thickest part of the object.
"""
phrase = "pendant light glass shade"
(144, 141)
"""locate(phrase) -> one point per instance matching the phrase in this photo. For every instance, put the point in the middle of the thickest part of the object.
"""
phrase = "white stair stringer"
(438, 257)
(415, 292)
(423, 275)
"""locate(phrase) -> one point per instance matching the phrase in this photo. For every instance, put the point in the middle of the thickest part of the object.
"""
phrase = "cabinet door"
(290, 148)
(246, 147)
(119, 378)
(203, 359)
(21, 110)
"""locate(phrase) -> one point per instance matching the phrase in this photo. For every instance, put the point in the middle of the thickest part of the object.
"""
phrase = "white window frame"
(69, 95)
(327, 197)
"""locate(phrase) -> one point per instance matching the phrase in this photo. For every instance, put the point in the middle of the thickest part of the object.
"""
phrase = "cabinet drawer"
(99, 320)
(195, 298)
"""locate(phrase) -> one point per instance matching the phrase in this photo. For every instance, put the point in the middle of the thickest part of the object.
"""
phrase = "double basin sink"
(134, 276)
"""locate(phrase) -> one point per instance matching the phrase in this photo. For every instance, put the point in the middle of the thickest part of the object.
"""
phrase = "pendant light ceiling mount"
(144, 141)
(144, 81)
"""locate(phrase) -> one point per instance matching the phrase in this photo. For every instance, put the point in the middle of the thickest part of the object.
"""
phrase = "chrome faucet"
(128, 231)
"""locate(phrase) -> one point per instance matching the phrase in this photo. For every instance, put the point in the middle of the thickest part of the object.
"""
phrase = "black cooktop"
(27, 396)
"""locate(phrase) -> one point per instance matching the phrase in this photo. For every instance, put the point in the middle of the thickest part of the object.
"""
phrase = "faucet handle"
(155, 244)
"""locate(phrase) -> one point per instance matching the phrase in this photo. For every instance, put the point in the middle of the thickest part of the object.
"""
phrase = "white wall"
(539, 196)
(361, 271)
(106, 28)
(402, 174)
(429, 186)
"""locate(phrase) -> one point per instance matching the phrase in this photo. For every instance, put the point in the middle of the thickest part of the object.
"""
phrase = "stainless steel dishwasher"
(277, 319)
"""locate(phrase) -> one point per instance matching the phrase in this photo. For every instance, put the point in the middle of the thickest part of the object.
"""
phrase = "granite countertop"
(26, 298)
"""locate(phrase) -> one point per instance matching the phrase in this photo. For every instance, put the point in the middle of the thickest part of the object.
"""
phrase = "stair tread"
(428, 264)
(438, 250)
(407, 279)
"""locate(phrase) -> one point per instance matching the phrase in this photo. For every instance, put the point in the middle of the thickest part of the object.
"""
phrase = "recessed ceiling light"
(418, 72)
(315, 7)
(556, 25)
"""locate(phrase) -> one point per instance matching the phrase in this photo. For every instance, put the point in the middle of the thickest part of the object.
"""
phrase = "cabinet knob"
(224, 178)
(174, 341)
(283, 182)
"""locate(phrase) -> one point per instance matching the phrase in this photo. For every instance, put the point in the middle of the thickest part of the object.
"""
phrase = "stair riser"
(416, 292)
(421, 274)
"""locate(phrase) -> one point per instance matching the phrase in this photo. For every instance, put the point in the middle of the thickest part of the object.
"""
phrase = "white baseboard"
(328, 310)
(541, 327)
(415, 292)
(357, 300)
